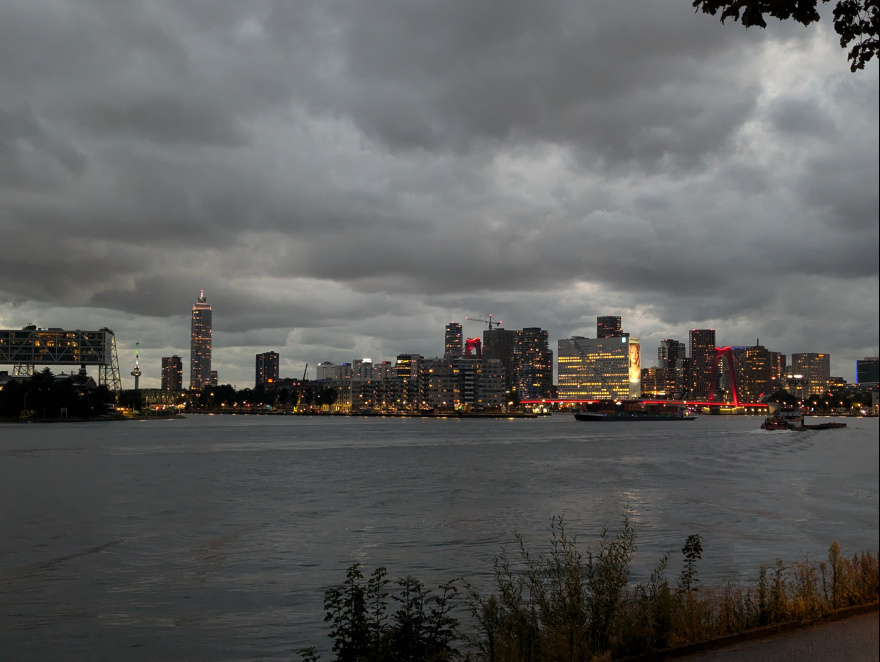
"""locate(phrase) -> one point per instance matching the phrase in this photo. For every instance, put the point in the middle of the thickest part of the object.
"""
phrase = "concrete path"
(854, 639)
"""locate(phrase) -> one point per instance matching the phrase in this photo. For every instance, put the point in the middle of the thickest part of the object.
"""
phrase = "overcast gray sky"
(344, 178)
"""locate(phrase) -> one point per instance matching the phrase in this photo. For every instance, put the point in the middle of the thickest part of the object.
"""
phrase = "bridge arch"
(727, 354)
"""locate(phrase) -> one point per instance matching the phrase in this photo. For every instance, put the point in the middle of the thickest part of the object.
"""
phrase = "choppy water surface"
(215, 537)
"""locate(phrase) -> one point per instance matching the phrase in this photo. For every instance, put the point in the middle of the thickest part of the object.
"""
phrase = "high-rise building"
(533, 364)
(267, 368)
(672, 358)
(200, 344)
(214, 378)
(462, 383)
(453, 345)
(654, 383)
(383, 370)
(702, 350)
(868, 371)
(608, 326)
(778, 369)
(814, 370)
(439, 384)
(407, 371)
(599, 368)
(327, 370)
(501, 344)
(755, 373)
(362, 370)
(172, 373)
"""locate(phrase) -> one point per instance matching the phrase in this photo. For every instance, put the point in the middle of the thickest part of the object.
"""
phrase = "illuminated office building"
(266, 368)
(407, 371)
(778, 368)
(200, 344)
(813, 369)
(754, 372)
(702, 350)
(533, 364)
(172, 373)
(599, 368)
(654, 383)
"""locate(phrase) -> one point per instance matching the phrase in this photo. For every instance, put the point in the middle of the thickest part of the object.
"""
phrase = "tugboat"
(784, 419)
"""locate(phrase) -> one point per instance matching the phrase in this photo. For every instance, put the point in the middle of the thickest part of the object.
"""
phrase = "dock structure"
(31, 349)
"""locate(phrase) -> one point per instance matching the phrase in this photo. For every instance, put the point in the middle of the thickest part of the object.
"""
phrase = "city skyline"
(548, 164)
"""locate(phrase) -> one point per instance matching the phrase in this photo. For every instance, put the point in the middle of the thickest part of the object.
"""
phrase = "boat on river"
(634, 410)
(784, 419)
(793, 419)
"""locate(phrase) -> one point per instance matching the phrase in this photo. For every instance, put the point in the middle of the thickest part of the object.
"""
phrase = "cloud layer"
(344, 178)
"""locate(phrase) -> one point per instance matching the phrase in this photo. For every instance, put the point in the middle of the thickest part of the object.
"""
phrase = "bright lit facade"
(813, 370)
(533, 364)
(599, 368)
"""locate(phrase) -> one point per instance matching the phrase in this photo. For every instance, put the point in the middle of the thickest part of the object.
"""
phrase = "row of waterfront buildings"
(505, 367)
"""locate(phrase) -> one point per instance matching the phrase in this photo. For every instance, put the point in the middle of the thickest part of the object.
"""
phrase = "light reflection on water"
(215, 537)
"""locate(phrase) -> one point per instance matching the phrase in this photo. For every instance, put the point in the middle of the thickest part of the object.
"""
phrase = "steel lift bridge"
(30, 349)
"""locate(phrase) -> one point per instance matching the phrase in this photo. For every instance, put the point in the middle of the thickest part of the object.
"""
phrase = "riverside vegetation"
(564, 604)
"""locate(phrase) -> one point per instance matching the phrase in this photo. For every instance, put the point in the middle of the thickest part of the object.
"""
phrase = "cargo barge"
(634, 410)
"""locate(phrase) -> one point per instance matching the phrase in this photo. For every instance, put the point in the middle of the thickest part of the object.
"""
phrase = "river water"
(214, 537)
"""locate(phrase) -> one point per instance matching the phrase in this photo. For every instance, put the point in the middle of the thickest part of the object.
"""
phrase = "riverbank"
(104, 418)
(853, 635)
(364, 414)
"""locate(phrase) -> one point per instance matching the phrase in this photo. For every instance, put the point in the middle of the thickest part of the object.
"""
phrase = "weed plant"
(566, 604)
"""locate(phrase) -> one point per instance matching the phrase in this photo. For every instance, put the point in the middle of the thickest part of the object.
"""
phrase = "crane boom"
(302, 386)
(489, 321)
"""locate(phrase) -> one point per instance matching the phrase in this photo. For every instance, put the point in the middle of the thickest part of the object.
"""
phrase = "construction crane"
(302, 386)
(489, 321)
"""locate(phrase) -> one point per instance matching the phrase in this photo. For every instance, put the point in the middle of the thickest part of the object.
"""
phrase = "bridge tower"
(727, 354)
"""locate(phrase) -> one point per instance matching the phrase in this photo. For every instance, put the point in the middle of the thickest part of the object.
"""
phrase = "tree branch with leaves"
(856, 21)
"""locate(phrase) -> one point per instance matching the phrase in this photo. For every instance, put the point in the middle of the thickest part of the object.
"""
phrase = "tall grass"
(564, 604)
(571, 603)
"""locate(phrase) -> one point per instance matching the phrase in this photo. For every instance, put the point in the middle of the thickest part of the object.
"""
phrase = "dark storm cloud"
(346, 177)
(605, 79)
(31, 155)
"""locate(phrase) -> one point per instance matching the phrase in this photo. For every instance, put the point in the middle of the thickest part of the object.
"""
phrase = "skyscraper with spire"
(200, 344)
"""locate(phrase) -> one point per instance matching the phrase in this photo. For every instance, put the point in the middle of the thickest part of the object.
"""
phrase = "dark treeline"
(566, 604)
(45, 396)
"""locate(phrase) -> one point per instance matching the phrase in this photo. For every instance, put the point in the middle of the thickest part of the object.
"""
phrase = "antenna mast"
(136, 373)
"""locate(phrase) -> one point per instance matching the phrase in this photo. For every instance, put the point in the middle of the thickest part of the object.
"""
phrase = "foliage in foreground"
(564, 604)
(421, 628)
(854, 20)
